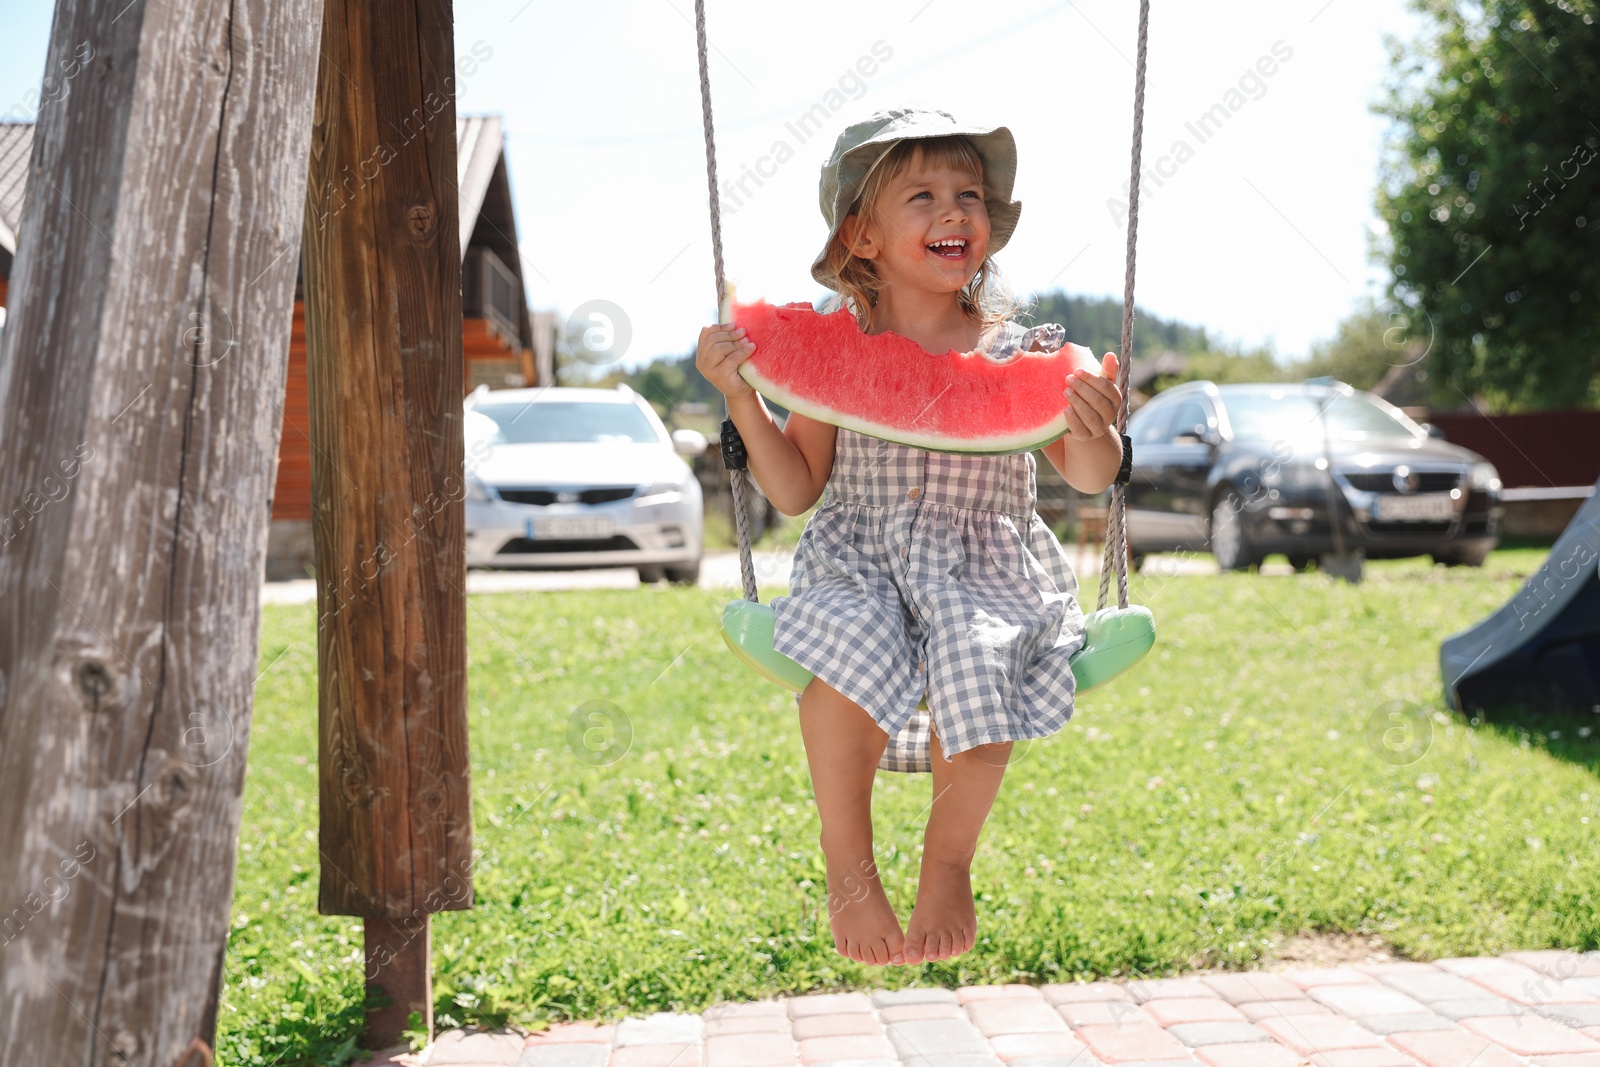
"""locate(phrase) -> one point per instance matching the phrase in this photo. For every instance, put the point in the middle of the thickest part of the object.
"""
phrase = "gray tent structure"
(1542, 647)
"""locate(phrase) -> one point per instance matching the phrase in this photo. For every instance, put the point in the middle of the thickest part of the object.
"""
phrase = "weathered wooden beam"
(146, 343)
(384, 359)
(399, 955)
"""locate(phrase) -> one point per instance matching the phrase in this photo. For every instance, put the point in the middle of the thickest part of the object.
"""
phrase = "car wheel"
(689, 575)
(1468, 557)
(1137, 562)
(650, 575)
(1229, 543)
(1301, 564)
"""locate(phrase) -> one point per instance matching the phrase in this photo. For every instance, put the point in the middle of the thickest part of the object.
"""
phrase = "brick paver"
(1139, 1040)
(1531, 987)
(1454, 1048)
(1362, 1057)
(1256, 1054)
(1531, 1035)
(1322, 976)
(1525, 1009)
(574, 1055)
(1247, 988)
(1169, 1010)
(1319, 1033)
(1061, 1045)
(1358, 1000)
(1266, 1009)
(845, 1047)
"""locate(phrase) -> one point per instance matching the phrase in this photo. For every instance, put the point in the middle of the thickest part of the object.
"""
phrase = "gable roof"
(479, 142)
(16, 145)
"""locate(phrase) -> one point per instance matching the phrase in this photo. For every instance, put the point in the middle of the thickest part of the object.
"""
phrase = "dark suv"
(1248, 470)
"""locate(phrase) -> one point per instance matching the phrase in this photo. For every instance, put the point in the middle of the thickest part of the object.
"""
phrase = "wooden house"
(504, 344)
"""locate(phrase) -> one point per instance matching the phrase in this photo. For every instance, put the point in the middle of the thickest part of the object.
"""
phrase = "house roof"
(16, 145)
(479, 141)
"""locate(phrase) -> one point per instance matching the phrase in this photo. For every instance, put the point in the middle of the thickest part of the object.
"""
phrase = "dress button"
(914, 492)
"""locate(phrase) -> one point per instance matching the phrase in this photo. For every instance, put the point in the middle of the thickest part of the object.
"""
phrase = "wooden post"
(384, 356)
(147, 341)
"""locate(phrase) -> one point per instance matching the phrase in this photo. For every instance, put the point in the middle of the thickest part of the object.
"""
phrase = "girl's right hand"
(722, 348)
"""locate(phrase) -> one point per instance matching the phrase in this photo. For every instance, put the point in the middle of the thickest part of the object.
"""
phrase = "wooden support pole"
(140, 378)
(399, 955)
(384, 358)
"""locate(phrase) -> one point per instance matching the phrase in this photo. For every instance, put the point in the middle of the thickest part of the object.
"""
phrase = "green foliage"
(1221, 367)
(1229, 791)
(1490, 189)
(1368, 345)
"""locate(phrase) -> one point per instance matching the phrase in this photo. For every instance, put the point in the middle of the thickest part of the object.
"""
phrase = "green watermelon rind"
(1036, 437)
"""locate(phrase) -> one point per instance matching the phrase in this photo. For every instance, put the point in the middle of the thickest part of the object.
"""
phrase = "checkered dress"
(930, 572)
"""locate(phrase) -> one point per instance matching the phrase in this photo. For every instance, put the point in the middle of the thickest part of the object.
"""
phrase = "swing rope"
(1116, 512)
(733, 456)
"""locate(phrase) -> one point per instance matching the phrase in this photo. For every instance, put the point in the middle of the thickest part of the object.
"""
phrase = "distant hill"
(1096, 323)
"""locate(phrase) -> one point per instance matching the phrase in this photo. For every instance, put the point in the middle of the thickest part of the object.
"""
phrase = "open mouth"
(949, 248)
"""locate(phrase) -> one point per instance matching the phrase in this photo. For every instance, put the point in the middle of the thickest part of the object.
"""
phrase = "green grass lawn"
(1250, 779)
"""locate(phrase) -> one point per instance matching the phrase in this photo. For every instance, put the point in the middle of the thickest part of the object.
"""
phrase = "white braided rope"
(738, 479)
(1116, 512)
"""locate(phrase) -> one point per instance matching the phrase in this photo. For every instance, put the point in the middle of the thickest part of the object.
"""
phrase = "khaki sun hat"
(863, 144)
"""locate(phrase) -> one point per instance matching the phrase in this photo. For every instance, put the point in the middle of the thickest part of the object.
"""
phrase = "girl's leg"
(843, 746)
(943, 922)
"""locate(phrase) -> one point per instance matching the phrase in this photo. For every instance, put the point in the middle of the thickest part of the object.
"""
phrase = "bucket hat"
(860, 146)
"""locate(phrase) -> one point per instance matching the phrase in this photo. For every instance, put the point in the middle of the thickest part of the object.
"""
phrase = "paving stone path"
(1524, 1008)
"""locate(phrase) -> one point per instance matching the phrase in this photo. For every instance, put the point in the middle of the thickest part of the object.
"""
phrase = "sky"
(1258, 227)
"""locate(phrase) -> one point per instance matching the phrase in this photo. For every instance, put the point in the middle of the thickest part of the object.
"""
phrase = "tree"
(1488, 191)
(1367, 346)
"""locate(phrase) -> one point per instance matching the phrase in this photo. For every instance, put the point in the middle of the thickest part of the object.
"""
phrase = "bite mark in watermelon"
(890, 387)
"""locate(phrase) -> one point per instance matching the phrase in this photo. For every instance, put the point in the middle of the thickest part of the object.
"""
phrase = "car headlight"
(660, 493)
(1484, 477)
(477, 491)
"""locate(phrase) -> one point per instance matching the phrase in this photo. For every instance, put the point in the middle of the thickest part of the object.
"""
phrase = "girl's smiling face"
(930, 228)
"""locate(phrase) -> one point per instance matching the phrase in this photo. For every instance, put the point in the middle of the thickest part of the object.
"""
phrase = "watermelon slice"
(888, 386)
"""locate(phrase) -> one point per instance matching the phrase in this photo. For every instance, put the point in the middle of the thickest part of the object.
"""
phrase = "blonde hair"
(986, 298)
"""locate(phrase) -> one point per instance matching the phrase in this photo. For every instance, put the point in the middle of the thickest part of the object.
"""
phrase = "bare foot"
(865, 927)
(943, 923)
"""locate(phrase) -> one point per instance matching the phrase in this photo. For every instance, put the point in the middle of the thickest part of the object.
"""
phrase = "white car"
(564, 477)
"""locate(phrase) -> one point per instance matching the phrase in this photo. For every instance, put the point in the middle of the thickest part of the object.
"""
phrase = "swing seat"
(1114, 640)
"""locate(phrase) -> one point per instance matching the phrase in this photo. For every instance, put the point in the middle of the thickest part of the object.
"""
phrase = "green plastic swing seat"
(1114, 640)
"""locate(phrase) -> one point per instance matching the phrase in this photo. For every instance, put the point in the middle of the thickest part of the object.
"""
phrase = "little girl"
(922, 572)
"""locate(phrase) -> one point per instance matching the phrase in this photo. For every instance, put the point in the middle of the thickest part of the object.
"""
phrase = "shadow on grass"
(1571, 735)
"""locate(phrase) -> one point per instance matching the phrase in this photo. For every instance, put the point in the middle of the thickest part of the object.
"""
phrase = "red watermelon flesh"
(890, 387)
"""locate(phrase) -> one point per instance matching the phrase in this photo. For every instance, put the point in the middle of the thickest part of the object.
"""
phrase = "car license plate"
(569, 528)
(1433, 507)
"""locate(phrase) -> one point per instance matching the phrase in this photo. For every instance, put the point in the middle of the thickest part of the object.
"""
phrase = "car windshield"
(1286, 414)
(550, 421)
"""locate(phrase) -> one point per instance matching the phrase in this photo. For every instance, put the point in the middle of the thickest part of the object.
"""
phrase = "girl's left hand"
(1093, 402)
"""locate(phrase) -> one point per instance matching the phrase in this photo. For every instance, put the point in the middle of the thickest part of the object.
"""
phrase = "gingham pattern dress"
(930, 572)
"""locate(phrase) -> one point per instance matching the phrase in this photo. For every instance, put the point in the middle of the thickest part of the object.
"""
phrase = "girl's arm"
(1090, 454)
(792, 464)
